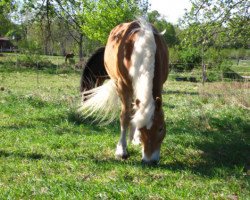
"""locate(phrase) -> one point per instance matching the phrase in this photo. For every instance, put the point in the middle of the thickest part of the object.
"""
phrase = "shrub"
(34, 61)
(213, 58)
(191, 56)
(185, 59)
(220, 71)
(236, 53)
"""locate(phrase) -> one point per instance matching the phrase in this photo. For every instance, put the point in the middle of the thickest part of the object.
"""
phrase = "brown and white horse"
(136, 59)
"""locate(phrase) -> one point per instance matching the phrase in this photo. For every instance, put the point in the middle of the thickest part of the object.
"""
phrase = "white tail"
(101, 102)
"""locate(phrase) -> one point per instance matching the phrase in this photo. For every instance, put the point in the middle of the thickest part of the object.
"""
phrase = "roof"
(4, 39)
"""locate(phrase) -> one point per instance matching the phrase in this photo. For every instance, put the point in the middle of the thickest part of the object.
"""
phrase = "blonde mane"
(142, 73)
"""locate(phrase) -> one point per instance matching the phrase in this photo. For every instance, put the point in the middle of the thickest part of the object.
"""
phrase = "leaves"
(161, 24)
(217, 22)
(101, 16)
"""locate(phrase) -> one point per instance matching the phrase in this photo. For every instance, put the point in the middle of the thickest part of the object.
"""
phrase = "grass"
(243, 68)
(48, 152)
(13, 57)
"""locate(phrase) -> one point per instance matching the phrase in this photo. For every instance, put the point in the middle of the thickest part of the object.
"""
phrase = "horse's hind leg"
(125, 117)
(134, 136)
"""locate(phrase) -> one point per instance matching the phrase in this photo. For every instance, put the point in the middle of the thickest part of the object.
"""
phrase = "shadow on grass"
(76, 118)
(17, 127)
(31, 156)
(222, 151)
(225, 146)
(180, 92)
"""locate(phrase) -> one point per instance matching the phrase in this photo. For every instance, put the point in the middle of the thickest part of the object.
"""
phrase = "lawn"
(47, 151)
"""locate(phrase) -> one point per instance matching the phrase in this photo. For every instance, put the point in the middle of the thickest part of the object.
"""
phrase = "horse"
(136, 59)
(69, 55)
(94, 73)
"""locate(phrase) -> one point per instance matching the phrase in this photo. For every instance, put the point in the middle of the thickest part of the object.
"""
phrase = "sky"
(170, 9)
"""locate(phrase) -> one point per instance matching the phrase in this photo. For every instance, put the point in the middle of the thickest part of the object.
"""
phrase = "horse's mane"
(98, 51)
(88, 73)
(142, 73)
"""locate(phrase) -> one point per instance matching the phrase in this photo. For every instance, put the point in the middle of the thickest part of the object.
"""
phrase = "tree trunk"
(204, 75)
(81, 47)
(63, 50)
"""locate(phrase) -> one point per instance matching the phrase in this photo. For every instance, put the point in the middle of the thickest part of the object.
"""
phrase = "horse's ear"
(158, 103)
(137, 102)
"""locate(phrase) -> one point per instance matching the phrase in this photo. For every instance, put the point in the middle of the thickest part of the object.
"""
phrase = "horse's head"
(152, 138)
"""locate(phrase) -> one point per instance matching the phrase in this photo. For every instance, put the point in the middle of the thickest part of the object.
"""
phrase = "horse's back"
(119, 49)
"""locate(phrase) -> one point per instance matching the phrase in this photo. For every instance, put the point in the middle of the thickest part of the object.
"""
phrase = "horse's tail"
(101, 103)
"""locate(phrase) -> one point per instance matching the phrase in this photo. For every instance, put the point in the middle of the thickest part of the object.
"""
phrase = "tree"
(6, 7)
(101, 16)
(51, 12)
(161, 24)
(217, 22)
(83, 19)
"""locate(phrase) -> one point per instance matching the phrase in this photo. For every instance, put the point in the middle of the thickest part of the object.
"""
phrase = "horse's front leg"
(125, 117)
(121, 148)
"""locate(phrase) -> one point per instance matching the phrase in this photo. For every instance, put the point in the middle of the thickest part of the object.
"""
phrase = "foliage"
(161, 24)
(5, 25)
(6, 7)
(213, 58)
(34, 61)
(236, 53)
(217, 22)
(190, 56)
(58, 22)
(101, 16)
(185, 59)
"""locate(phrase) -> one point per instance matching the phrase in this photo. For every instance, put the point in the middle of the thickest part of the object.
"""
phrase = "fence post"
(37, 73)
(204, 77)
(16, 58)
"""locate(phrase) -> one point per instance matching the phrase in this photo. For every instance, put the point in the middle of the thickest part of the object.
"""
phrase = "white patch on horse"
(121, 148)
(154, 157)
(142, 73)
(136, 139)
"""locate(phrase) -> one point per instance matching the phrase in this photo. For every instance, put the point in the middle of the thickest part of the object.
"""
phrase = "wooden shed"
(6, 45)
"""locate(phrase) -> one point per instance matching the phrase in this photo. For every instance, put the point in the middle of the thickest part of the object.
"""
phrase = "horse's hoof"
(150, 163)
(121, 154)
(123, 157)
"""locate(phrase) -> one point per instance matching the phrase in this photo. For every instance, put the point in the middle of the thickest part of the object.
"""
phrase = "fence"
(208, 73)
(195, 75)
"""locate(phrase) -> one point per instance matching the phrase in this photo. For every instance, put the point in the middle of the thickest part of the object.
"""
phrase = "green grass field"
(48, 152)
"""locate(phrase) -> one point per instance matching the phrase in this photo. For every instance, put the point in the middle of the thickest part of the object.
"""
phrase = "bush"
(185, 59)
(34, 61)
(220, 71)
(213, 58)
(214, 75)
(191, 56)
(236, 53)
